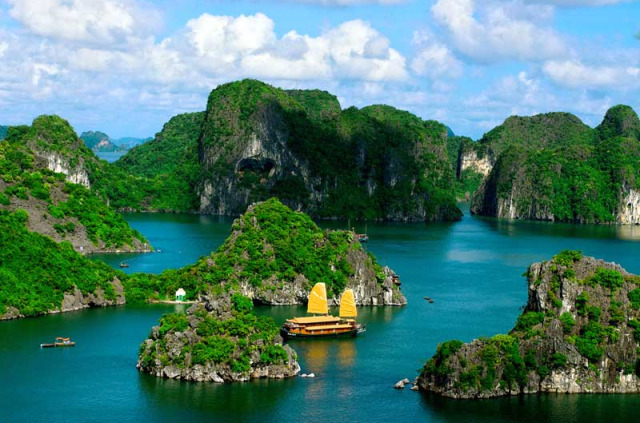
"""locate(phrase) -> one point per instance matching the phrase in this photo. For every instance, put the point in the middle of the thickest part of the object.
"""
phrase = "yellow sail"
(348, 304)
(318, 300)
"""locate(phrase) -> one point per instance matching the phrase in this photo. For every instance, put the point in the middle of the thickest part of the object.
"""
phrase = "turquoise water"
(472, 269)
(111, 156)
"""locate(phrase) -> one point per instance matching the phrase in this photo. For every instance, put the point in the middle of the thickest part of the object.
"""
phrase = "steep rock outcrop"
(287, 254)
(258, 141)
(552, 167)
(35, 162)
(579, 333)
(218, 340)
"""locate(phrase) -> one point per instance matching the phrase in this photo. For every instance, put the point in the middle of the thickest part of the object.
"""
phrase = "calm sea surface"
(472, 269)
(111, 156)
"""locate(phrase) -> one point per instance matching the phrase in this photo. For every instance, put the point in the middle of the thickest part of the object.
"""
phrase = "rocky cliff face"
(629, 207)
(579, 333)
(471, 160)
(75, 174)
(54, 142)
(217, 341)
(258, 141)
(552, 167)
(367, 289)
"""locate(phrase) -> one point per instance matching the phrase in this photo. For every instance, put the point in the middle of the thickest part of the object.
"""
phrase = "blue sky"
(126, 66)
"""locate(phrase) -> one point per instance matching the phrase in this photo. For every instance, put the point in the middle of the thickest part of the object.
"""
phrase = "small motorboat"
(60, 342)
(124, 264)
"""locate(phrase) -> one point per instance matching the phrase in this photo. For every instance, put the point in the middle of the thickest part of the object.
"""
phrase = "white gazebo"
(180, 293)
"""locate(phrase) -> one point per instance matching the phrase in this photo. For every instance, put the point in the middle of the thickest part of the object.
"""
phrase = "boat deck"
(314, 319)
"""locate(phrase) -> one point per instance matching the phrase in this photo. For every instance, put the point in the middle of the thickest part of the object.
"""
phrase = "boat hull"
(286, 334)
(70, 344)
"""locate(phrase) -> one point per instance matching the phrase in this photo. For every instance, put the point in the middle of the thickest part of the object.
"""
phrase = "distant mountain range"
(101, 142)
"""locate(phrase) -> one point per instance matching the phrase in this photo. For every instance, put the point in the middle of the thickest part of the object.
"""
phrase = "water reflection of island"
(515, 228)
(179, 399)
(628, 232)
(534, 408)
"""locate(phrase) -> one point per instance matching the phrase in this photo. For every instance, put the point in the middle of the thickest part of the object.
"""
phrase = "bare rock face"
(77, 300)
(218, 340)
(629, 207)
(471, 159)
(75, 174)
(579, 333)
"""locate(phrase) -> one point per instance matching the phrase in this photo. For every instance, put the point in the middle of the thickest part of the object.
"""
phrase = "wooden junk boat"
(323, 325)
(60, 342)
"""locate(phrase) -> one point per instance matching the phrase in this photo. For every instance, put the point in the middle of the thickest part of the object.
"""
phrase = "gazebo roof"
(181, 292)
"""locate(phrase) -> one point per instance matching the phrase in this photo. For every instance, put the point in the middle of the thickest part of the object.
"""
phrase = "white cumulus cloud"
(97, 21)
(248, 46)
(434, 59)
(490, 31)
(575, 74)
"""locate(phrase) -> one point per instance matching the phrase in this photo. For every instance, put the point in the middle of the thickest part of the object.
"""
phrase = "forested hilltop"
(255, 142)
(43, 172)
(554, 167)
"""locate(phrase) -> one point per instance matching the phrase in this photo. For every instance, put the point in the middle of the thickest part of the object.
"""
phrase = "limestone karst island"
(320, 210)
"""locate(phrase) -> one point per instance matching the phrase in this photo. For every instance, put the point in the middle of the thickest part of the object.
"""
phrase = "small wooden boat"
(60, 342)
(362, 237)
(324, 326)
(124, 264)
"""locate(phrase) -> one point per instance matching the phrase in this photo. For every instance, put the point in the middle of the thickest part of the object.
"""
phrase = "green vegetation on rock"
(256, 141)
(229, 343)
(26, 182)
(553, 167)
(170, 163)
(567, 323)
(275, 252)
(36, 272)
